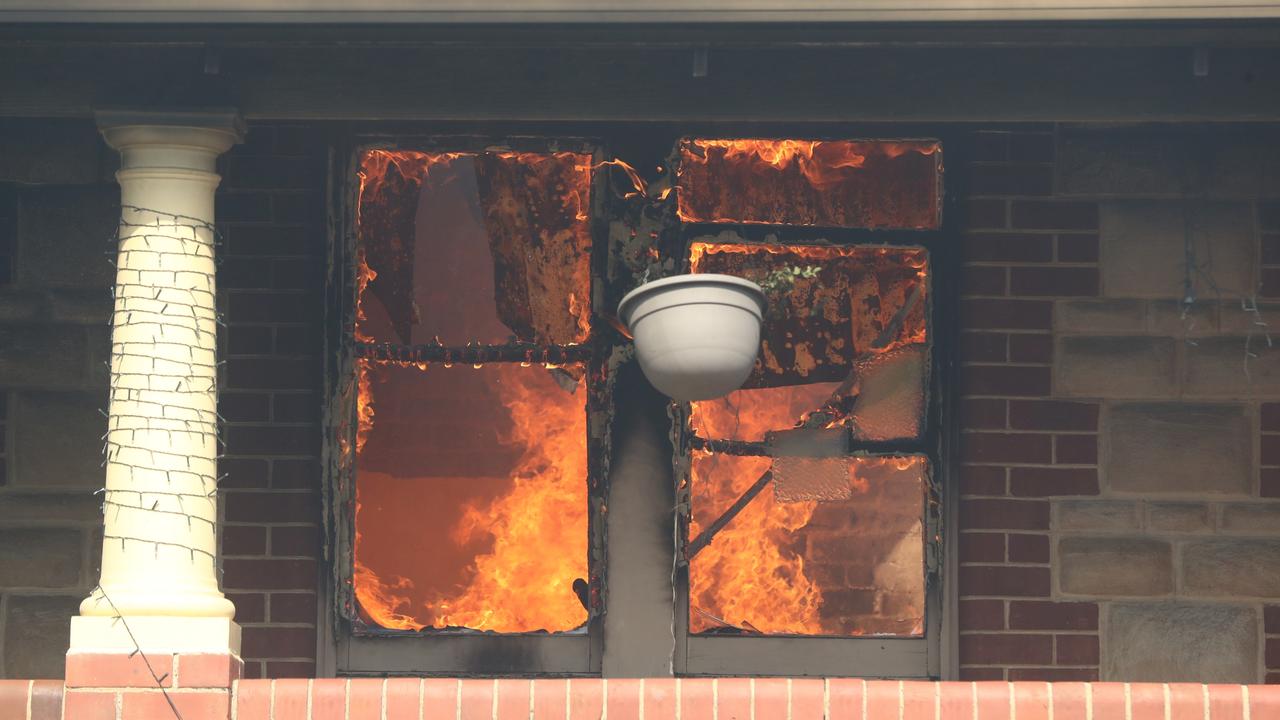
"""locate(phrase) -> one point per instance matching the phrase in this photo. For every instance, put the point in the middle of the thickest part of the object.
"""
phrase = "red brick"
(982, 414)
(586, 699)
(733, 697)
(208, 670)
(286, 669)
(1006, 314)
(981, 480)
(919, 700)
(1075, 449)
(696, 698)
(1108, 700)
(1269, 215)
(403, 695)
(243, 540)
(1076, 649)
(1270, 449)
(13, 698)
(983, 347)
(253, 698)
(981, 615)
(1078, 248)
(808, 700)
(1146, 701)
(1015, 381)
(1007, 247)
(1031, 348)
(659, 698)
(986, 580)
(364, 701)
(1048, 481)
(1069, 700)
(1028, 548)
(622, 695)
(46, 699)
(289, 699)
(1006, 649)
(988, 447)
(992, 700)
(440, 697)
(1226, 701)
(1045, 615)
(1031, 147)
(303, 541)
(1031, 700)
(1004, 514)
(981, 547)
(956, 700)
(770, 698)
(990, 146)
(268, 574)
(477, 700)
(1054, 675)
(243, 473)
(1054, 281)
(119, 670)
(190, 705)
(329, 698)
(1054, 215)
(279, 642)
(1270, 286)
(1186, 701)
(1264, 702)
(293, 607)
(1272, 653)
(1053, 415)
(1271, 619)
(882, 698)
(87, 705)
(981, 674)
(986, 214)
(272, 507)
(845, 697)
(1009, 179)
(1271, 417)
(981, 280)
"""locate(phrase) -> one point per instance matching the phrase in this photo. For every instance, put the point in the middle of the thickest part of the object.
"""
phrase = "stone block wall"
(1120, 353)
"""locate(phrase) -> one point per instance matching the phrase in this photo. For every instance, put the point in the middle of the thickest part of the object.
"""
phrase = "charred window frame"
(362, 648)
(865, 656)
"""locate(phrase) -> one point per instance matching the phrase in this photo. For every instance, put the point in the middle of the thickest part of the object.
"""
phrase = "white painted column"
(159, 564)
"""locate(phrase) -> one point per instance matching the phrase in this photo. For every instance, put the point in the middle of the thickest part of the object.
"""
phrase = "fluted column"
(159, 564)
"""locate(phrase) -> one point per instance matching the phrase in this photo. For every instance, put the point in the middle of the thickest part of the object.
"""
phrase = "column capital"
(170, 139)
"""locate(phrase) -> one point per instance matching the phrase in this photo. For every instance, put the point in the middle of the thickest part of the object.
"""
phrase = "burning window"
(836, 183)
(790, 531)
(472, 322)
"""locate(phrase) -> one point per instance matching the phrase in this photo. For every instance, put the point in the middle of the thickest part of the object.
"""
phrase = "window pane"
(852, 567)
(834, 183)
(471, 247)
(471, 497)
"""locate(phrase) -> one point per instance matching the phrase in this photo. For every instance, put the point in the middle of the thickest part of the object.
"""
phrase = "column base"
(154, 634)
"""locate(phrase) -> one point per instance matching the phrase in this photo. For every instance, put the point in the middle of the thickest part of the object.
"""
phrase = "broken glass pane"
(852, 567)
(471, 498)
(835, 183)
(469, 247)
(829, 306)
(890, 394)
(810, 465)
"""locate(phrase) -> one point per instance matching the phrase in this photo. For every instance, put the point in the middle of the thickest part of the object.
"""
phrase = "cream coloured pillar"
(159, 565)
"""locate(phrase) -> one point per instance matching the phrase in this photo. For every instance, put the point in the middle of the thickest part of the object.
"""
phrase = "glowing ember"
(837, 183)
(483, 523)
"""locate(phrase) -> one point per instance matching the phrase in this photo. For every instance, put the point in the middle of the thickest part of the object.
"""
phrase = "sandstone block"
(40, 557)
(1099, 316)
(1232, 567)
(65, 236)
(1244, 518)
(58, 439)
(1232, 367)
(1176, 447)
(1179, 517)
(37, 632)
(1142, 247)
(1095, 515)
(1180, 642)
(1114, 566)
(1115, 367)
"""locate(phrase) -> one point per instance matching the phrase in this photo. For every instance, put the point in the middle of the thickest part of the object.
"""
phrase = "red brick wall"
(1022, 247)
(271, 214)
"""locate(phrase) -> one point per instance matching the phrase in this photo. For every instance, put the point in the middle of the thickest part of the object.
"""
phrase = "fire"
(842, 183)
(532, 537)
